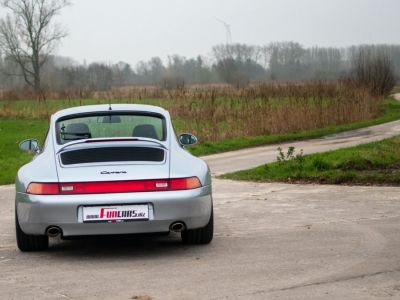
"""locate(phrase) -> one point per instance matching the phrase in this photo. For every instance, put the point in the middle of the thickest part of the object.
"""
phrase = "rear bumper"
(37, 212)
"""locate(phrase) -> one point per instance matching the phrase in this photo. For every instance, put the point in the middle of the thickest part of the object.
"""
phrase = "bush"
(374, 70)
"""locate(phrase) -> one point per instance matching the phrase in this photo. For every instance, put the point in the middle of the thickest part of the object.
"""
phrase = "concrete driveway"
(272, 241)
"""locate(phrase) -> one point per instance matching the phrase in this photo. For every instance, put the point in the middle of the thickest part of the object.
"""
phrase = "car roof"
(106, 108)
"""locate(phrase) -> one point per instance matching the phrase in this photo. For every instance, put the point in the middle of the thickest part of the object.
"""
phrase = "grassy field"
(223, 113)
(13, 131)
(389, 111)
(376, 163)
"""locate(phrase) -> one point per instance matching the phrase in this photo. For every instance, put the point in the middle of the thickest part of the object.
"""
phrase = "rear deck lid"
(112, 162)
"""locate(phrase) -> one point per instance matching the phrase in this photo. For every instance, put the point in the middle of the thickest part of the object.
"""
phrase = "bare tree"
(28, 35)
(374, 69)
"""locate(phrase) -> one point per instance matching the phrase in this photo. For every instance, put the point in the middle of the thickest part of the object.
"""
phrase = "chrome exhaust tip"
(53, 231)
(177, 227)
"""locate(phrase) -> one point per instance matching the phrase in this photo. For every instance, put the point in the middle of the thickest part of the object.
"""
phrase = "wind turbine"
(228, 31)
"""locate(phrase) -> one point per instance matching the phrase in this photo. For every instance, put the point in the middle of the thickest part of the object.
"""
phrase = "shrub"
(374, 70)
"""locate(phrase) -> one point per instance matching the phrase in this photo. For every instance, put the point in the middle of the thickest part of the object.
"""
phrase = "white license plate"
(115, 213)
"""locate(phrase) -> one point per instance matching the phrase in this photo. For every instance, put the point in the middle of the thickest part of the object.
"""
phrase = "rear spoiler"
(105, 140)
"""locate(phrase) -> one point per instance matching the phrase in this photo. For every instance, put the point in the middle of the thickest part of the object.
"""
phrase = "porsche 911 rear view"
(112, 169)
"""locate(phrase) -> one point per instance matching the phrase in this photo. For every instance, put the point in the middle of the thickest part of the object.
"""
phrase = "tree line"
(29, 34)
(236, 64)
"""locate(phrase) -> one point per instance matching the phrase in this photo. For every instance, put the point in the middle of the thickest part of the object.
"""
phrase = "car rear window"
(110, 125)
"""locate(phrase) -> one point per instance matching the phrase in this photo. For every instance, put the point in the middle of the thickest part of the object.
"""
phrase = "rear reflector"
(131, 186)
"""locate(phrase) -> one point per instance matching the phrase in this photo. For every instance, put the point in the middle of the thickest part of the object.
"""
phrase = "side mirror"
(30, 145)
(187, 139)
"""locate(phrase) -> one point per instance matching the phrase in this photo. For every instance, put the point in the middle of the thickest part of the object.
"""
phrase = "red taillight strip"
(104, 187)
(113, 187)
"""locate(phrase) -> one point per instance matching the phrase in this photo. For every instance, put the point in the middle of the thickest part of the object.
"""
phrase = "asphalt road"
(272, 241)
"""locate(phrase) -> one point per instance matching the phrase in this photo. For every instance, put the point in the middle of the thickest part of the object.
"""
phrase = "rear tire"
(28, 243)
(201, 235)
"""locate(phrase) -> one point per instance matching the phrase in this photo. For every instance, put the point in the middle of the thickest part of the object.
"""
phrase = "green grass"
(390, 112)
(13, 131)
(376, 163)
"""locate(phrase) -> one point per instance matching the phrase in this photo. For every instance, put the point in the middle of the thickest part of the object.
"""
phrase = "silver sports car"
(112, 169)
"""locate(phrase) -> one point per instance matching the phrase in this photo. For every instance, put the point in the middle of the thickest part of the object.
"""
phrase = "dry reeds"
(221, 112)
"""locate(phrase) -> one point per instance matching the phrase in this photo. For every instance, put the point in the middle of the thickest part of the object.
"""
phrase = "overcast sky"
(132, 30)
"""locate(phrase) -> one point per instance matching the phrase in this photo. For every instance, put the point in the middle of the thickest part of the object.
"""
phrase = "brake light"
(104, 187)
(36, 188)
